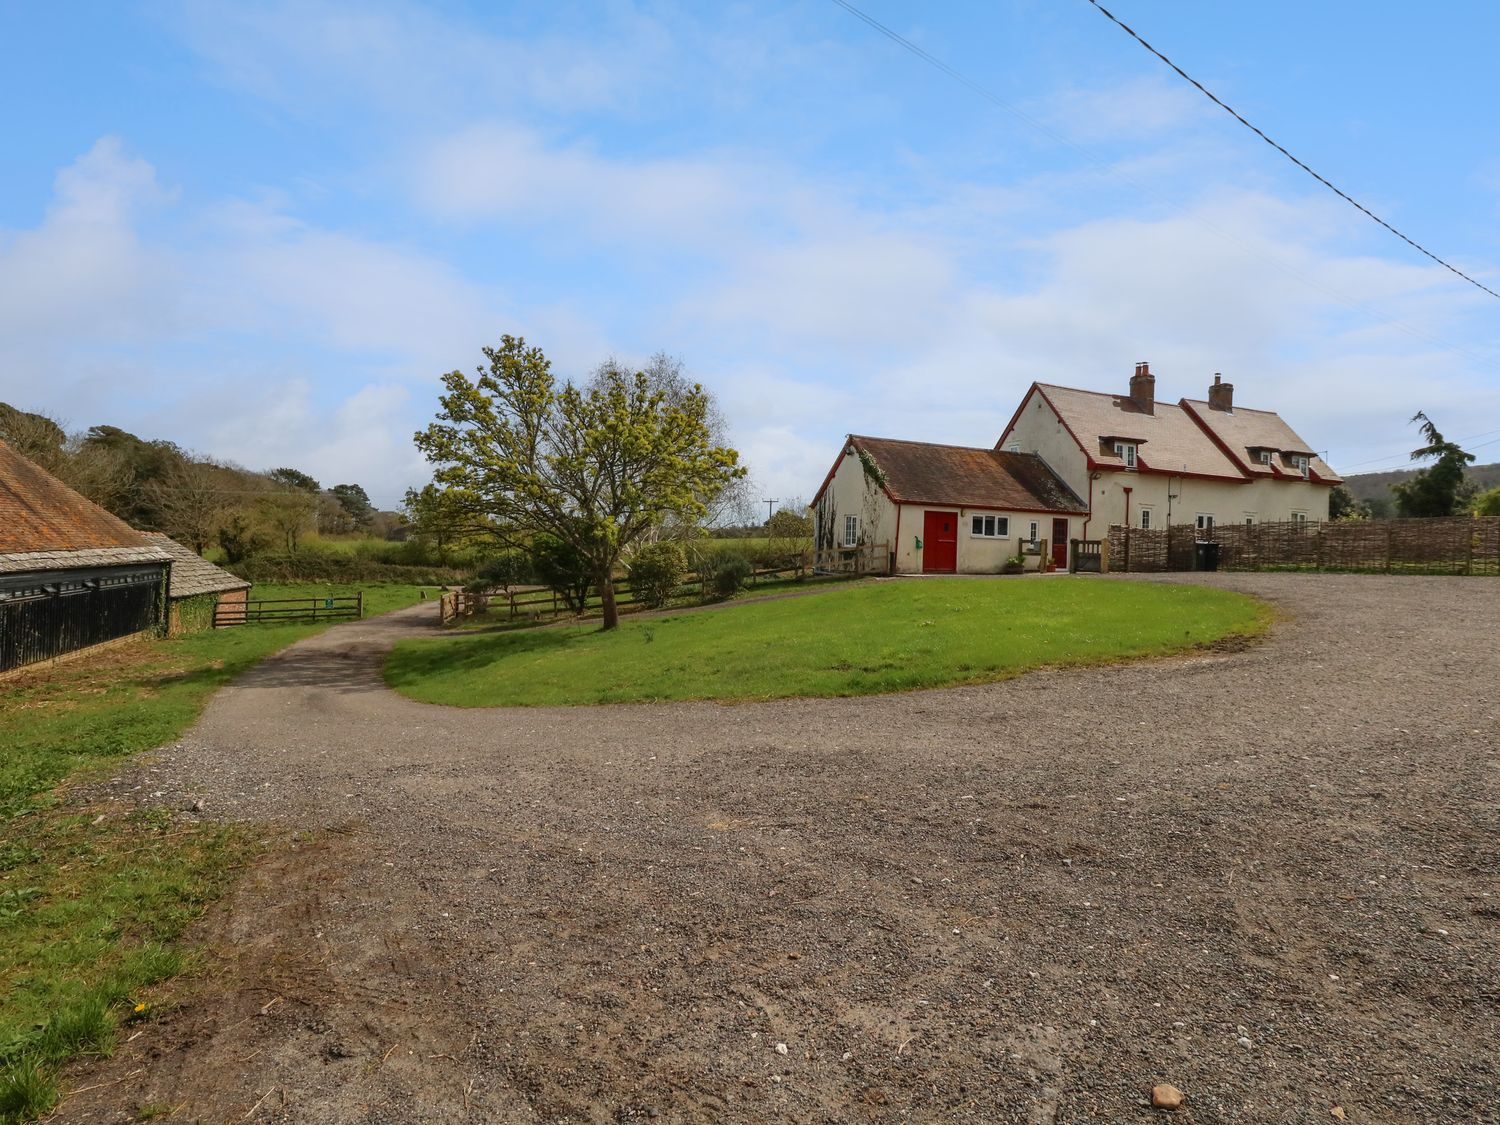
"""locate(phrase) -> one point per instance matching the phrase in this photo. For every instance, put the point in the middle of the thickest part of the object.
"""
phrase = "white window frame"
(1127, 451)
(1146, 519)
(1204, 521)
(1303, 465)
(1249, 518)
(1266, 456)
(989, 527)
(1299, 517)
(851, 531)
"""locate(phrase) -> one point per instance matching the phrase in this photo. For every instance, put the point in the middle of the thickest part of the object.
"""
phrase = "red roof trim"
(843, 449)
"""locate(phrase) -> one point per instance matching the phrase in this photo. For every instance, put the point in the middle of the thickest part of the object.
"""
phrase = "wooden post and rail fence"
(276, 610)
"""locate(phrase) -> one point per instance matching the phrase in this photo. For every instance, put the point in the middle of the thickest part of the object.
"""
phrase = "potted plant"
(1015, 564)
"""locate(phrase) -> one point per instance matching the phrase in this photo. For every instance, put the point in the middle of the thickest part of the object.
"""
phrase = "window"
(1299, 517)
(1265, 456)
(1249, 519)
(990, 527)
(1146, 518)
(851, 531)
(1205, 522)
(1300, 463)
(1126, 450)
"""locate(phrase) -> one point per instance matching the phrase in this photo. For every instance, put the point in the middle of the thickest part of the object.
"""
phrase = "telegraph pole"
(770, 508)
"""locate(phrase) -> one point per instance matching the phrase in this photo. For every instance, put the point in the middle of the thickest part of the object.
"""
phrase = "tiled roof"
(40, 513)
(1170, 440)
(192, 573)
(1242, 430)
(919, 472)
(17, 562)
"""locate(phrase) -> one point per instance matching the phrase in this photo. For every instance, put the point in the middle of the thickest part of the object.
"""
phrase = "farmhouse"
(945, 508)
(71, 574)
(1071, 464)
(198, 588)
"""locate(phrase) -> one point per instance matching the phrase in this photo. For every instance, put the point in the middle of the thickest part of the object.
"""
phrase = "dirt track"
(1268, 877)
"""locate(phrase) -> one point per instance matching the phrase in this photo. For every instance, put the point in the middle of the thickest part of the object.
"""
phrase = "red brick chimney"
(1143, 389)
(1221, 395)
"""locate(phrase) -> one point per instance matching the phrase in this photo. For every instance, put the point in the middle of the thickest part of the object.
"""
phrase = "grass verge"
(92, 897)
(858, 640)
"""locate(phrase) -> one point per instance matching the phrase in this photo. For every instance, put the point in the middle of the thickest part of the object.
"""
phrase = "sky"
(265, 230)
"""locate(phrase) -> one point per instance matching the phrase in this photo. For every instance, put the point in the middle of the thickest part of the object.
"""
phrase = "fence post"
(359, 605)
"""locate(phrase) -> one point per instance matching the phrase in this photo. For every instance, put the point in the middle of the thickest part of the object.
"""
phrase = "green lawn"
(91, 897)
(858, 640)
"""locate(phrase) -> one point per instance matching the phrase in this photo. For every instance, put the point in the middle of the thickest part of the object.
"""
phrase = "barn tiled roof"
(40, 513)
(918, 472)
(1170, 439)
(191, 572)
(1243, 430)
(19, 562)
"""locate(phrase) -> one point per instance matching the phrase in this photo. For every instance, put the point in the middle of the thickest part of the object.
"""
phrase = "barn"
(72, 576)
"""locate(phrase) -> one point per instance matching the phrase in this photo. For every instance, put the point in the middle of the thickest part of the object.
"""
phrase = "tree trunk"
(607, 602)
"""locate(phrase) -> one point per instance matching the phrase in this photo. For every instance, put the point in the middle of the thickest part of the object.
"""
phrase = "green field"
(856, 640)
(92, 897)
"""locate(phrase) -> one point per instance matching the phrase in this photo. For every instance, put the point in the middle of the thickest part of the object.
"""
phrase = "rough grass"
(91, 897)
(874, 637)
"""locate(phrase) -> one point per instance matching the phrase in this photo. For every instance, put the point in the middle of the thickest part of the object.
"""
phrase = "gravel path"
(1267, 877)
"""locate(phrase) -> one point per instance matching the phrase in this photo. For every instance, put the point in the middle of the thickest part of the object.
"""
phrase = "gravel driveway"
(1267, 877)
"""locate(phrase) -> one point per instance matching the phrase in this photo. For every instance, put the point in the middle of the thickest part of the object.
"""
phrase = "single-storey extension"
(945, 509)
(198, 588)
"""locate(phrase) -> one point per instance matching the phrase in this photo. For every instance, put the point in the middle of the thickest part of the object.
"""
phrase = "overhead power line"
(1345, 196)
(1100, 161)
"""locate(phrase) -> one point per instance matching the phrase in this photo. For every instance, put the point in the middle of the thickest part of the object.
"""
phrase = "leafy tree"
(790, 532)
(36, 437)
(289, 512)
(445, 518)
(655, 573)
(1344, 505)
(240, 538)
(595, 467)
(1487, 503)
(1440, 489)
(294, 478)
(356, 504)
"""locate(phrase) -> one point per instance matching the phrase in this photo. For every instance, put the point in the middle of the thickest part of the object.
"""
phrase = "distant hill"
(1375, 488)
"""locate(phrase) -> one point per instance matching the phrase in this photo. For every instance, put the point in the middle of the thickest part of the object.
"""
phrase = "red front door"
(940, 542)
(1060, 544)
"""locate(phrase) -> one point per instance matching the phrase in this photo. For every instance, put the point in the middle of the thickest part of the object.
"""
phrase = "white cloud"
(83, 275)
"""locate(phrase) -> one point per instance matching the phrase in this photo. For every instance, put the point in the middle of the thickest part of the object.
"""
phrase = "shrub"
(560, 567)
(725, 571)
(509, 569)
(656, 572)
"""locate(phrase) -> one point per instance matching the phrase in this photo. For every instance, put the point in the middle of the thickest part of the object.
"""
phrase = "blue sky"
(265, 230)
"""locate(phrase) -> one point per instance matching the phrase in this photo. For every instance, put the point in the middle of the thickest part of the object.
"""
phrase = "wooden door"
(940, 542)
(1060, 544)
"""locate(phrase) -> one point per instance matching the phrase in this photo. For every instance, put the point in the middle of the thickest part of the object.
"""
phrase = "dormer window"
(1265, 456)
(1125, 450)
(1301, 464)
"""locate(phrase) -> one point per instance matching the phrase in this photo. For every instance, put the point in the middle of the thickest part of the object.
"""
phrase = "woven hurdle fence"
(1454, 545)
